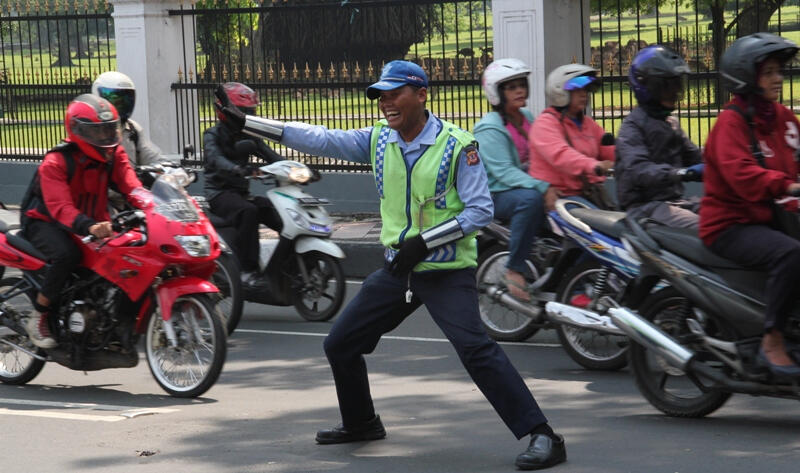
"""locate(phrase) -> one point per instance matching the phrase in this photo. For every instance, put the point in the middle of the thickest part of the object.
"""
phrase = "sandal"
(517, 288)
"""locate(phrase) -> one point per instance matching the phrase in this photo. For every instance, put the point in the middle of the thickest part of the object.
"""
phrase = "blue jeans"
(525, 209)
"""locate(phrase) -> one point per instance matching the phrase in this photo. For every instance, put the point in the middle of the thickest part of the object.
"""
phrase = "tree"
(225, 37)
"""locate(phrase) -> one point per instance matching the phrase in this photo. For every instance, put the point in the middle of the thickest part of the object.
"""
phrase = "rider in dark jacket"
(227, 162)
(654, 156)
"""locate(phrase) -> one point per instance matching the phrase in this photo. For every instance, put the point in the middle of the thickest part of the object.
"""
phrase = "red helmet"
(241, 96)
(93, 124)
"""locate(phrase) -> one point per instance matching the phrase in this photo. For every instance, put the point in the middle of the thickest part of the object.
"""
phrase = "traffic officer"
(433, 199)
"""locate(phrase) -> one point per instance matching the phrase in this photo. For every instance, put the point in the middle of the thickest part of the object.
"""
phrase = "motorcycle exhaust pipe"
(528, 309)
(581, 318)
(651, 337)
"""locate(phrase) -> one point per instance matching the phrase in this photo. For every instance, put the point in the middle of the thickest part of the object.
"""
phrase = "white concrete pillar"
(150, 50)
(543, 33)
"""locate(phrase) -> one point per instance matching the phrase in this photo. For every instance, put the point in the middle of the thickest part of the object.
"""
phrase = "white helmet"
(556, 87)
(118, 89)
(499, 71)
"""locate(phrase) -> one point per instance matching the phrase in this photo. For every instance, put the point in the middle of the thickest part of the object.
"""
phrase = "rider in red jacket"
(69, 194)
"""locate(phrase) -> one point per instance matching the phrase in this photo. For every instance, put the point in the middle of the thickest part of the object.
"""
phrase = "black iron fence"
(312, 60)
(699, 30)
(50, 51)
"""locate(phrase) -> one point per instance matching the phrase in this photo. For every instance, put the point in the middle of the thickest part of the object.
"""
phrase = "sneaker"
(39, 332)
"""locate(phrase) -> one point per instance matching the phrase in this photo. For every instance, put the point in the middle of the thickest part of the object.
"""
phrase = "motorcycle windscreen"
(172, 201)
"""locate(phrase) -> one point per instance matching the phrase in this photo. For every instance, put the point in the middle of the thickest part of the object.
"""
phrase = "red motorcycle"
(150, 279)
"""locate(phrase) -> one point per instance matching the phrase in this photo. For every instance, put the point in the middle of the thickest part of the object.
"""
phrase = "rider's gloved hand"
(141, 198)
(246, 170)
(233, 116)
(412, 251)
(607, 140)
(692, 173)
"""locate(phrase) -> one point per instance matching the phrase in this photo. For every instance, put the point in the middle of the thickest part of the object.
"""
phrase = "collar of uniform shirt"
(426, 137)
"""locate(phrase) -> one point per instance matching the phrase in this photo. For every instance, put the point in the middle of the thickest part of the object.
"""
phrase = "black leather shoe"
(543, 452)
(371, 430)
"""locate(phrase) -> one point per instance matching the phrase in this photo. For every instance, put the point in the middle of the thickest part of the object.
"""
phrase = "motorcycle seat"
(686, 243)
(608, 222)
(24, 245)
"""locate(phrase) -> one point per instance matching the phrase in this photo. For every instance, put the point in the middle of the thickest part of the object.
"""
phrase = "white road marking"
(124, 412)
(392, 337)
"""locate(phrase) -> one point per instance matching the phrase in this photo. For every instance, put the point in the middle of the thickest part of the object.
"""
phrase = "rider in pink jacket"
(564, 143)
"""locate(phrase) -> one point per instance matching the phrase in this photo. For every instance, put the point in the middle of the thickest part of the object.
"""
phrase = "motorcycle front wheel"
(591, 349)
(17, 366)
(228, 280)
(667, 388)
(500, 322)
(320, 297)
(188, 365)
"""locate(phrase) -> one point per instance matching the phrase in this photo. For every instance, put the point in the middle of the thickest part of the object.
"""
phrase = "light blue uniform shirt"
(354, 145)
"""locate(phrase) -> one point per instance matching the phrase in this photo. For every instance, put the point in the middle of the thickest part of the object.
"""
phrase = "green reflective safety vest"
(416, 199)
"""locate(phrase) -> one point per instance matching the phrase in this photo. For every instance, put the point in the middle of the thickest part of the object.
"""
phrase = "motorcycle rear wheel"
(500, 322)
(591, 349)
(322, 297)
(193, 365)
(17, 367)
(668, 389)
(228, 280)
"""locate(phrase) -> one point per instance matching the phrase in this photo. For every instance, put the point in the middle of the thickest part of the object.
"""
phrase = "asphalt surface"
(276, 391)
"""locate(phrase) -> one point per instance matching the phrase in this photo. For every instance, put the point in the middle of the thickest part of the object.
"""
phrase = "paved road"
(276, 391)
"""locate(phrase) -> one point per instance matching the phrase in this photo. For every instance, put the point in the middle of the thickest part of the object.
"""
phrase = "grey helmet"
(739, 63)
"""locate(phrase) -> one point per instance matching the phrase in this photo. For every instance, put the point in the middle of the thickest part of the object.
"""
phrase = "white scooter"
(302, 267)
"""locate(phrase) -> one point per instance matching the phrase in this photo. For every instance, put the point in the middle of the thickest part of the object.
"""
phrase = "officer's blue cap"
(397, 74)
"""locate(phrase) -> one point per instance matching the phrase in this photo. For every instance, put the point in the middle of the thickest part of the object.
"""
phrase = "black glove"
(607, 139)
(233, 117)
(692, 173)
(244, 171)
(412, 252)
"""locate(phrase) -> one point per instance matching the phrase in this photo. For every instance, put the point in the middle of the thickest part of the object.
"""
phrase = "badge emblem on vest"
(472, 156)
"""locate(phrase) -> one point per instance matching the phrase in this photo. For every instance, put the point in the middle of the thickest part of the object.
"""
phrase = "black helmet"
(739, 62)
(657, 71)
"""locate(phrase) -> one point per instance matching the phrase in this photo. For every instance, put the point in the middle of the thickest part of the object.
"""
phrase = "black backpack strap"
(134, 135)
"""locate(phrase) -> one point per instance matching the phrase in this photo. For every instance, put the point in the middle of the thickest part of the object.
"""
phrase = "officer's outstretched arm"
(255, 126)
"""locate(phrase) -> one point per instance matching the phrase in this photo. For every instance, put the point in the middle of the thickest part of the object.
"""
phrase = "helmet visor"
(122, 99)
(667, 89)
(104, 135)
(590, 83)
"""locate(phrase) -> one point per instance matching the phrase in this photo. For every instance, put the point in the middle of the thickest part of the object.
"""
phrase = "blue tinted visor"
(122, 99)
(579, 82)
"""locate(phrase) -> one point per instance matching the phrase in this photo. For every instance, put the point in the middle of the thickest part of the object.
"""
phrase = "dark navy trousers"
(451, 297)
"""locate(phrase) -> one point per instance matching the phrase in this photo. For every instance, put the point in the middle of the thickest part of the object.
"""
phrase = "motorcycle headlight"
(300, 175)
(195, 245)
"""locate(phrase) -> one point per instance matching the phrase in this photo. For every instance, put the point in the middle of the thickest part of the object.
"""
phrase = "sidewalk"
(357, 235)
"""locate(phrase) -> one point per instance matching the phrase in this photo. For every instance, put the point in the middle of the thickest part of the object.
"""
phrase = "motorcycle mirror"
(188, 151)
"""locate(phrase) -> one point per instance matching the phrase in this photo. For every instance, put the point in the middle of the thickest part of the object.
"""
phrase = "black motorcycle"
(695, 342)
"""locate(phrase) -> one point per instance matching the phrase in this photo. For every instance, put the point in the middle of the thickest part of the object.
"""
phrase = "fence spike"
(344, 70)
(283, 71)
(465, 67)
(307, 72)
(357, 71)
(319, 71)
(259, 73)
(451, 69)
(247, 72)
(332, 71)
(295, 72)
(180, 75)
(271, 73)
(213, 74)
(236, 71)
(224, 76)
(370, 70)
